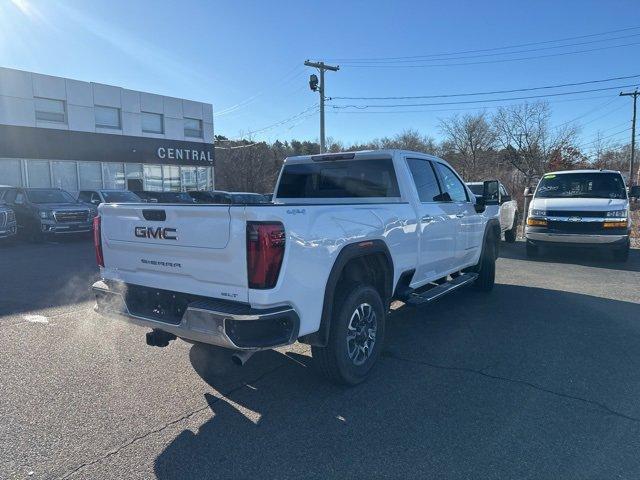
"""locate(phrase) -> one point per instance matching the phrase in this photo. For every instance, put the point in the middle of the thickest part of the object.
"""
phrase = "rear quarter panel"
(315, 236)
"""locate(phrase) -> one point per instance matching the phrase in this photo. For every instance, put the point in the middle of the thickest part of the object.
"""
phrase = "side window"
(452, 184)
(425, 179)
(19, 198)
(95, 197)
(83, 196)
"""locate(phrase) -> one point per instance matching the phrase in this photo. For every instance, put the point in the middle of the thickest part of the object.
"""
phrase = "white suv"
(580, 208)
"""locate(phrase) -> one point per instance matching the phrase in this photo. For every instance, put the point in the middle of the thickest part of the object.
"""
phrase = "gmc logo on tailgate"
(156, 232)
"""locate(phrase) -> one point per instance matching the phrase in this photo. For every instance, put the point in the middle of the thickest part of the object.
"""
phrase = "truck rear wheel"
(355, 337)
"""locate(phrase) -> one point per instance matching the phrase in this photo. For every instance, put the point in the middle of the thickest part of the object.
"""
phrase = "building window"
(188, 179)
(152, 122)
(205, 179)
(113, 175)
(170, 178)
(90, 175)
(38, 173)
(107, 117)
(49, 110)
(65, 176)
(152, 177)
(192, 128)
(10, 172)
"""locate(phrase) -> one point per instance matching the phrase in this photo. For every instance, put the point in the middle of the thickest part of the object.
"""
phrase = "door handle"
(460, 215)
(427, 218)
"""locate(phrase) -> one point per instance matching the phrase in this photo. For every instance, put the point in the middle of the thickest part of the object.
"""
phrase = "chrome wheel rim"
(361, 334)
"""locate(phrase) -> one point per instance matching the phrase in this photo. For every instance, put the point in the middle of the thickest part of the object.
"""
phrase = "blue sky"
(246, 57)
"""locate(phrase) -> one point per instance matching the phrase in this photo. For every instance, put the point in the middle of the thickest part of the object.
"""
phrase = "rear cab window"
(354, 179)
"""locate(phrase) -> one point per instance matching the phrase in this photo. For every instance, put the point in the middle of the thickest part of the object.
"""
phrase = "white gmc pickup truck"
(345, 235)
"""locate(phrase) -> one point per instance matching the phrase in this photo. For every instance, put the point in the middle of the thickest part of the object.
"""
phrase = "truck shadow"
(598, 258)
(464, 387)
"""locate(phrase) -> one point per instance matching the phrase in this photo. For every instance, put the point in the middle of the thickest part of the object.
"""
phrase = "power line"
(484, 55)
(508, 47)
(494, 92)
(528, 97)
(483, 107)
(495, 61)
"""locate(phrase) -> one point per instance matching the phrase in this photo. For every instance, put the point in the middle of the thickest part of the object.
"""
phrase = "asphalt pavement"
(538, 379)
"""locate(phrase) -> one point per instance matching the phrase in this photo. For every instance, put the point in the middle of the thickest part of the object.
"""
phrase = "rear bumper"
(227, 324)
(539, 236)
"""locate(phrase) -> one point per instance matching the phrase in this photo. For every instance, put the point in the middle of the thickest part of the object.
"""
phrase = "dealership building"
(58, 132)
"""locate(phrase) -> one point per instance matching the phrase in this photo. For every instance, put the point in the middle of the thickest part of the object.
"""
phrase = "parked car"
(506, 210)
(218, 196)
(586, 208)
(8, 224)
(348, 233)
(96, 197)
(44, 212)
(165, 197)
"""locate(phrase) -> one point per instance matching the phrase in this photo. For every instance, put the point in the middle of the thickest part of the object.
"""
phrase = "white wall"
(17, 107)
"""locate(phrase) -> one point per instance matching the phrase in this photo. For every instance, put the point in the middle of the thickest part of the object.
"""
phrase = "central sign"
(184, 154)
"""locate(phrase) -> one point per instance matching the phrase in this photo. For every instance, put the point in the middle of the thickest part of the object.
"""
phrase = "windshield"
(581, 185)
(476, 188)
(121, 197)
(50, 196)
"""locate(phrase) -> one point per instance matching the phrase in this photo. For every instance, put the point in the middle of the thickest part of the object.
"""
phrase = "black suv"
(43, 212)
(8, 226)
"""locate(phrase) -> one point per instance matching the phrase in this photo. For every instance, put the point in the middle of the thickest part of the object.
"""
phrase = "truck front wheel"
(486, 267)
(355, 337)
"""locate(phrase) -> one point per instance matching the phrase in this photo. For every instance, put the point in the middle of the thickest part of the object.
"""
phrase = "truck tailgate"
(197, 249)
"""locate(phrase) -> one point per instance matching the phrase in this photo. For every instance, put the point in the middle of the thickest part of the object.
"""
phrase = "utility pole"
(633, 94)
(313, 83)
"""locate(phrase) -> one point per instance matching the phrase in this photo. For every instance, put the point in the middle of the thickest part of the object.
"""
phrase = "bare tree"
(526, 138)
(471, 139)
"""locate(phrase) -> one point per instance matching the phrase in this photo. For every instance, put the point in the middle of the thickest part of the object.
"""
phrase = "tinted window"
(84, 196)
(425, 179)
(476, 188)
(121, 197)
(581, 185)
(452, 184)
(50, 196)
(339, 179)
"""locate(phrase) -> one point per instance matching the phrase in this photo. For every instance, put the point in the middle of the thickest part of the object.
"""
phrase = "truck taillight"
(265, 251)
(97, 241)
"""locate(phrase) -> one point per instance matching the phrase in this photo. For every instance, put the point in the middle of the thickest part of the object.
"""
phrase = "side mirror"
(490, 193)
(480, 205)
(505, 198)
(95, 202)
(634, 192)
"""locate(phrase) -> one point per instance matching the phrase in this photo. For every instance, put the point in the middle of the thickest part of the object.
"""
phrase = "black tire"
(532, 250)
(333, 361)
(486, 266)
(621, 254)
(511, 235)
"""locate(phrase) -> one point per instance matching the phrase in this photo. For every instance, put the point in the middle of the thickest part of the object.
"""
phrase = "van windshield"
(581, 185)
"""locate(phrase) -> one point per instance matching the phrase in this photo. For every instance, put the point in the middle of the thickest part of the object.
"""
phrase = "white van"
(580, 208)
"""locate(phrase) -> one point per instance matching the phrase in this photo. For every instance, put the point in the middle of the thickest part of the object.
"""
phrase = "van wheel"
(355, 338)
(532, 250)
(511, 235)
(622, 254)
(486, 266)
